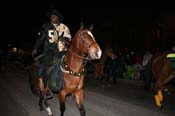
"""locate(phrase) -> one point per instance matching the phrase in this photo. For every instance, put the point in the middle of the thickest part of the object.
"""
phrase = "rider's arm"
(39, 40)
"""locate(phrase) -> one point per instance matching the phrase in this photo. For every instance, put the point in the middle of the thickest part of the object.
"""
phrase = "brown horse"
(163, 73)
(83, 48)
(99, 66)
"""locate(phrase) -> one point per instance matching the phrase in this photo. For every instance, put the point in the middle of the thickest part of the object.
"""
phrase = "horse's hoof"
(49, 97)
(50, 115)
(49, 94)
(162, 108)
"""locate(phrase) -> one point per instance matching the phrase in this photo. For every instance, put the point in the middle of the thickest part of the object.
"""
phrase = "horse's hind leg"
(160, 99)
(62, 97)
(164, 102)
(157, 99)
(79, 102)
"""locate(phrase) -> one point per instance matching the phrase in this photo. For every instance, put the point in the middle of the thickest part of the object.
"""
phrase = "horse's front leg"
(62, 97)
(79, 95)
(47, 105)
(41, 96)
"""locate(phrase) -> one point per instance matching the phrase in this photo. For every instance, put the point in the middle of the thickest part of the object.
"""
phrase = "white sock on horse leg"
(49, 111)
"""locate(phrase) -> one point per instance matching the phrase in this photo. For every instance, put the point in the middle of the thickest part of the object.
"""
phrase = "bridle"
(85, 58)
(81, 56)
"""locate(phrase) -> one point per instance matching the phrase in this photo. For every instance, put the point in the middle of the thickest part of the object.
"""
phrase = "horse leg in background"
(166, 93)
(172, 86)
(114, 75)
(102, 74)
(147, 80)
(160, 95)
(147, 77)
(98, 71)
(79, 101)
(42, 97)
(157, 90)
(158, 98)
(62, 98)
(108, 73)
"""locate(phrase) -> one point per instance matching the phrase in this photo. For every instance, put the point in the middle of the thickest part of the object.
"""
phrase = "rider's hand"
(34, 52)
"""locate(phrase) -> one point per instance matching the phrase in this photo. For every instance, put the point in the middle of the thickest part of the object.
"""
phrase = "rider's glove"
(34, 52)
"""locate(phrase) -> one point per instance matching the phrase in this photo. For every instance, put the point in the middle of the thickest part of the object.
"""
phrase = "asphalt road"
(126, 98)
(9, 106)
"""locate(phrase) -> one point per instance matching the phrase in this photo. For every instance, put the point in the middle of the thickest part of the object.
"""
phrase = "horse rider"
(54, 38)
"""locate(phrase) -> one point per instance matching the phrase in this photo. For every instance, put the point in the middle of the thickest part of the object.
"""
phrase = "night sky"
(121, 27)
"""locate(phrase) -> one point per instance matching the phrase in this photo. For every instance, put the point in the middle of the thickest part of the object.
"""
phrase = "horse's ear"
(81, 25)
(91, 27)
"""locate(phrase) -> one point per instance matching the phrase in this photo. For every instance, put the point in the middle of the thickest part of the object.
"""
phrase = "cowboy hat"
(55, 12)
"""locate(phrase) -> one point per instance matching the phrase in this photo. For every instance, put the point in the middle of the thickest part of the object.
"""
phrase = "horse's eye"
(85, 35)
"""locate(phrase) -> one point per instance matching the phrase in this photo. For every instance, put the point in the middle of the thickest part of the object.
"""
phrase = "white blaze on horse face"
(94, 51)
(91, 35)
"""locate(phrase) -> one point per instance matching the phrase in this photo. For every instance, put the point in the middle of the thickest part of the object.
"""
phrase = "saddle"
(51, 74)
(56, 81)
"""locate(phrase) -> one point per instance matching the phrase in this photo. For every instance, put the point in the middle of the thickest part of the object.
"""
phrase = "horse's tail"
(33, 81)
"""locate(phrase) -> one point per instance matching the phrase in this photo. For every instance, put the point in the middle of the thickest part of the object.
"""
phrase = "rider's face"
(54, 19)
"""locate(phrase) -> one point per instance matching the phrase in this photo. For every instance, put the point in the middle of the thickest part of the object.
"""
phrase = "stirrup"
(49, 94)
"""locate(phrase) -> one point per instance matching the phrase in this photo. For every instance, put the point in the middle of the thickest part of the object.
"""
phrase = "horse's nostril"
(98, 55)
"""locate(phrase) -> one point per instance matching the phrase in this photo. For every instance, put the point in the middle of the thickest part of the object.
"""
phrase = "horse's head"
(85, 45)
